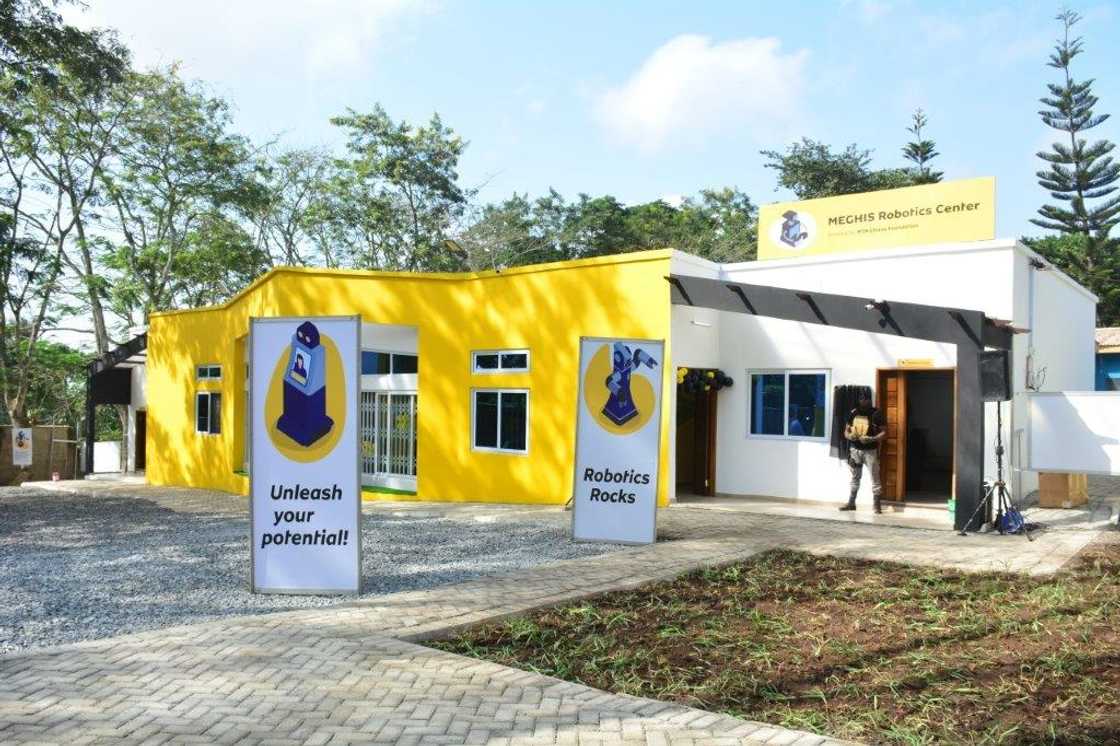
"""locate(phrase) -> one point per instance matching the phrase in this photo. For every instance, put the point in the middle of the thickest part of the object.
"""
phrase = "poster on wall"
(618, 440)
(21, 446)
(305, 492)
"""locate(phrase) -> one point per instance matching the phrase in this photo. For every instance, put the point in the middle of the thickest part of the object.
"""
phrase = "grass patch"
(371, 490)
(873, 651)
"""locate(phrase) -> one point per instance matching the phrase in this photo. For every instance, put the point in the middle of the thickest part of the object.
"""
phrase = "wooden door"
(891, 401)
(141, 443)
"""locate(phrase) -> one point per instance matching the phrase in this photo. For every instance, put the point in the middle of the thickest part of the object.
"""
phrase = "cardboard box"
(1062, 490)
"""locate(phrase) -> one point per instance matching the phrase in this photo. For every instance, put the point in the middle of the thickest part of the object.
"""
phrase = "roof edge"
(596, 261)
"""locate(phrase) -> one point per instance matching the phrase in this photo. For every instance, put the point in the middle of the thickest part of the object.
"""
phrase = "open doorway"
(917, 457)
(696, 438)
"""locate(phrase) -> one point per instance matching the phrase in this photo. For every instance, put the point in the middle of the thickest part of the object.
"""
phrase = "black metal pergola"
(971, 331)
(109, 381)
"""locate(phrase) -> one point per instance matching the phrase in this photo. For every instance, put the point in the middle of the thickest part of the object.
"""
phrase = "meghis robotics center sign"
(618, 441)
(303, 470)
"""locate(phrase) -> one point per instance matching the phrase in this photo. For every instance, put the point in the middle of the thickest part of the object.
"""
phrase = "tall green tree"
(1081, 176)
(397, 197)
(37, 48)
(177, 189)
(921, 151)
(810, 169)
(287, 221)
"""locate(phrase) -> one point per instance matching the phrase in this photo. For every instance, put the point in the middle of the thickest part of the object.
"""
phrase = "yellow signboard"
(962, 210)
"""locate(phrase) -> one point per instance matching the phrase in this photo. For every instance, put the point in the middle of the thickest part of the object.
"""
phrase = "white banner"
(618, 440)
(21, 446)
(305, 492)
(1074, 431)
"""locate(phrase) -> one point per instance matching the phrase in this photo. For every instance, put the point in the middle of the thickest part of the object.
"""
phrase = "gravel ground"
(79, 568)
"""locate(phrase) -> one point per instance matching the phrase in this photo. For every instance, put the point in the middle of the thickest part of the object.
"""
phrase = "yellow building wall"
(545, 308)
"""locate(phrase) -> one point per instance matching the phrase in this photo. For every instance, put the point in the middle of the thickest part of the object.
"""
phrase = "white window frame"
(493, 371)
(392, 354)
(787, 372)
(528, 421)
(209, 412)
(209, 369)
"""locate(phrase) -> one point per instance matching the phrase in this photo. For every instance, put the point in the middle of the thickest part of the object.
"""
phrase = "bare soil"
(873, 651)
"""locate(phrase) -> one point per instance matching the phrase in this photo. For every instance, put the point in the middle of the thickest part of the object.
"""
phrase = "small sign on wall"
(21, 446)
(305, 495)
(618, 443)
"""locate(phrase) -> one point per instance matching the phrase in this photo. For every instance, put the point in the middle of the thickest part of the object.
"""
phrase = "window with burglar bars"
(388, 429)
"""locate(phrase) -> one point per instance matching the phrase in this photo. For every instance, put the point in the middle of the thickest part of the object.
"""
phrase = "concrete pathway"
(352, 673)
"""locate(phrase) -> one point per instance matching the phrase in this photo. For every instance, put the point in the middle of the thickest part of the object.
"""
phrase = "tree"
(176, 182)
(396, 198)
(1073, 254)
(920, 151)
(288, 221)
(1078, 172)
(37, 48)
(810, 170)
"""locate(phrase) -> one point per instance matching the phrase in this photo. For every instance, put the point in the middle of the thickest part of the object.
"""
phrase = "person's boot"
(878, 504)
(851, 504)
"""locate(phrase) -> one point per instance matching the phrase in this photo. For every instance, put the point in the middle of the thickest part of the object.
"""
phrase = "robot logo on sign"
(616, 393)
(305, 417)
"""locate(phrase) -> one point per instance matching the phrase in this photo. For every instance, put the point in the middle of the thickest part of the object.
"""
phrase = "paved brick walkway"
(350, 673)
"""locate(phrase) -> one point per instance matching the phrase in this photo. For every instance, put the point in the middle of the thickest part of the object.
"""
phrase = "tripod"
(997, 496)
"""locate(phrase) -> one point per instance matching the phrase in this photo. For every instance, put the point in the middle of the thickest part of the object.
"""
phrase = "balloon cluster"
(695, 380)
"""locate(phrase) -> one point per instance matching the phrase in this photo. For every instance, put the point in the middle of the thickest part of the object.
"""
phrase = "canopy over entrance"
(971, 331)
(109, 381)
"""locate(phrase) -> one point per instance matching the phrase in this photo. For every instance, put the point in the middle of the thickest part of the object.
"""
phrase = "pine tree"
(920, 152)
(1078, 172)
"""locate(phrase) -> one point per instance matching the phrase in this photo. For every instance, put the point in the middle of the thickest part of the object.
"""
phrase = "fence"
(45, 460)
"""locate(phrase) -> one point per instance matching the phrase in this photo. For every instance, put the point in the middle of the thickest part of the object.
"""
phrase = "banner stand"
(618, 440)
(303, 403)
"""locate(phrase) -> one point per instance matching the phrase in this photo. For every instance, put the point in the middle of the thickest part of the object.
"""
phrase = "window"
(208, 412)
(501, 420)
(788, 404)
(501, 361)
(376, 363)
(209, 372)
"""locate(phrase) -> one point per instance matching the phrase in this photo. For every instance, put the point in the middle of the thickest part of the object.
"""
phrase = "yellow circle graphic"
(596, 393)
(336, 407)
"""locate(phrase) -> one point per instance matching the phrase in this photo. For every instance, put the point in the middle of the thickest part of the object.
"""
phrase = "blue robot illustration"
(620, 407)
(305, 419)
(792, 232)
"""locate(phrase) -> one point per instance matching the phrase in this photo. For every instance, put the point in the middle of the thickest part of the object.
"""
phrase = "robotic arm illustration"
(620, 407)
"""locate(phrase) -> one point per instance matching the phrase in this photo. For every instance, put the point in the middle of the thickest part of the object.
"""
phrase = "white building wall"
(1056, 354)
(139, 402)
(989, 276)
(780, 467)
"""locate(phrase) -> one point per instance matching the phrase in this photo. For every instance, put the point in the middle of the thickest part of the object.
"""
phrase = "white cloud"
(870, 11)
(309, 40)
(690, 88)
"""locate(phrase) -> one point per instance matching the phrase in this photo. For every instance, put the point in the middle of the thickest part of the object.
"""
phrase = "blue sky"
(642, 100)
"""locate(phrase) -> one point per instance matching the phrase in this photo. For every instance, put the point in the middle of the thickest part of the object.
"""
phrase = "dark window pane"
(202, 413)
(806, 404)
(768, 399)
(486, 419)
(215, 413)
(375, 363)
(515, 361)
(203, 371)
(215, 371)
(404, 363)
(514, 423)
(486, 361)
